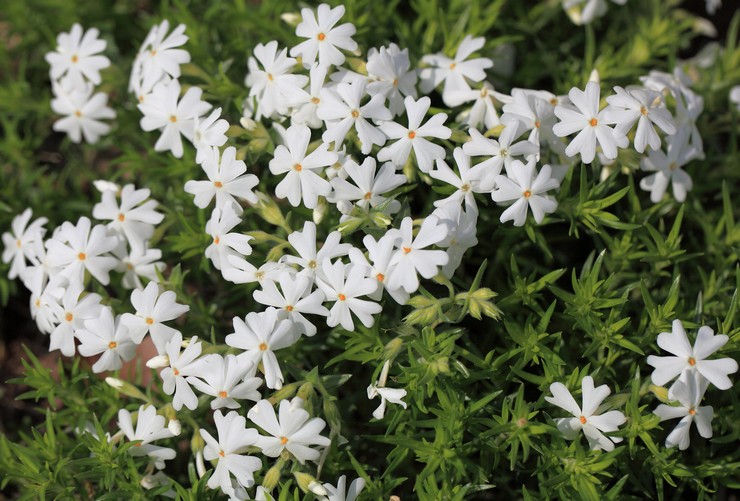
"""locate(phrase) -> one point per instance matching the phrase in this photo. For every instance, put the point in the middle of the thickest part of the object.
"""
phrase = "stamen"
(121, 217)
(289, 307)
(81, 256)
(380, 277)
(68, 317)
(341, 297)
(173, 118)
(283, 440)
(222, 394)
(263, 346)
(216, 240)
(321, 37)
(355, 113)
(218, 184)
(412, 134)
(315, 100)
(149, 320)
(593, 122)
(583, 419)
(112, 345)
(406, 250)
(298, 167)
(527, 194)
(692, 361)
(75, 58)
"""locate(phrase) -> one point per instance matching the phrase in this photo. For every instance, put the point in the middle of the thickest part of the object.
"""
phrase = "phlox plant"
(434, 250)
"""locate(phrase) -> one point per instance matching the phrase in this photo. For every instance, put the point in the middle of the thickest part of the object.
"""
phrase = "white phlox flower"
(139, 262)
(456, 72)
(20, 243)
(380, 254)
(525, 188)
(227, 379)
(181, 365)
(82, 112)
(387, 395)
(500, 154)
(391, 76)
(461, 230)
(483, 111)
(689, 395)
(412, 258)
(107, 337)
(208, 133)
(233, 440)
(274, 86)
(342, 110)
(172, 115)
(152, 309)
(528, 111)
(77, 56)
(585, 11)
(593, 425)
(225, 243)
(667, 168)
(309, 259)
(323, 37)
(345, 284)
(43, 296)
(302, 182)
(76, 248)
(688, 360)
(467, 181)
(260, 335)
(241, 271)
(413, 136)
(369, 185)
(134, 217)
(295, 299)
(293, 430)
(149, 428)
(306, 105)
(227, 181)
(341, 493)
(71, 313)
(735, 96)
(585, 118)
(159, 56)
(644, 107)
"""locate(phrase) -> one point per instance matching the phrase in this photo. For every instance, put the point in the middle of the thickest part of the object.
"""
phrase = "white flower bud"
(291, 18)
(174, 426)
(158, 362)
(114, 382)
(248, 123)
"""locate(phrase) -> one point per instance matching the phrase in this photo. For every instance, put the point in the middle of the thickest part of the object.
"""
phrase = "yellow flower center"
(149, 320)
(68, 317)
(692, 411)
(593, 122)
(298, 167)
(75, 58)
(583, 419)
(643, 110)
(81, 256)
(222, 394)
(321, 37)
(78, 113)
(289, 307)
(453, 65)
(355, 113)
(173, 118)
(406, 250)
(315, 100)
(263, 346)
(283, 440)
(112, 345)
(218, 184)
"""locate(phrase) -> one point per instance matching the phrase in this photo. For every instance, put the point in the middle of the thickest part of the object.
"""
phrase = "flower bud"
(286, 391)
(248, 124)
(174, 426)
(272, 477)
(305, 391)
(200, 465)
(320, 211)
(197, 444)
(126, 388)
(308, 483)
(158, 362)
(291, 18)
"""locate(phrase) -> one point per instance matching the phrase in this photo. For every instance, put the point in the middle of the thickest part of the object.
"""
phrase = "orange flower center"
(321, 37)
(380, 277)
(643, 110)
(68, 317)
(175, 371)
(593, 122)
(81, 256)
(149, 320)
(75, 58)
(283, 440)
(298, 167)
(270, 77)
(222, 454)
(395, 82)
(173, 118)
(78, 113)
(222, 394)
(554, 101)
(18, 243)
(406, 250)
(216, 240)
(453, 65)
(315, 100)
(355, 113)
(218, 184)
(153, 52)
(583, 419)
(289, 307)
(527, 194)
(368, 196)
(129, 266)
(341, 297)
(412, 134)
(692, 411)
(692, 361)
(112, 345)
(537, 124)
(263, 346)
(121, 217)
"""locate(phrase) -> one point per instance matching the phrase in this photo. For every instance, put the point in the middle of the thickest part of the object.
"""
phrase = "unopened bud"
(200, 465)
(392, 348)
(594, 76)
(305, 391)
(286, 391)
(126, 388)
(114, 382)
(158, 362)
(272, 477)
(197, 443)
(308, 483)
(291, 18)
(320, 211)
(248, 123)
(174, 426)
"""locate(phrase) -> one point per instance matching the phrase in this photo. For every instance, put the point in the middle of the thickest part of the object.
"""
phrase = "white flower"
(454, 72)
(341, 109)
(304, 243)
(224, 243)
(274, 86)
(43, 297)
(323, 37)
(77, 56)
(467, 182)
(139, 262)
(295, 299)
(344, 284)
(108, 338)
(522, 189)
(179, 367)
(528, 111)
(735, 96)
(483, 112)
(689, 396)
(159, 56)
(392, 395)
(586, 418)
(82, 112)
(667, 168)
(641, 105)
(301, 182)
(294, 430)
(149, 427)
(151, 310)
(388, 68)
(712, 6)
(461, 229)
(165, 111)
(241, 271)
(21, 242)
(413, 137)
(590, 123)
(687, 360)
(233, 440)
(369, 186)
(260, 334)
(226, 180)
(307, 104)
(501, 154)
(71, 312)
(133, 217)
(227, 379)
(77, 248)
(338, 493)
(413, 258)
(209, 132)
(380, 254)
